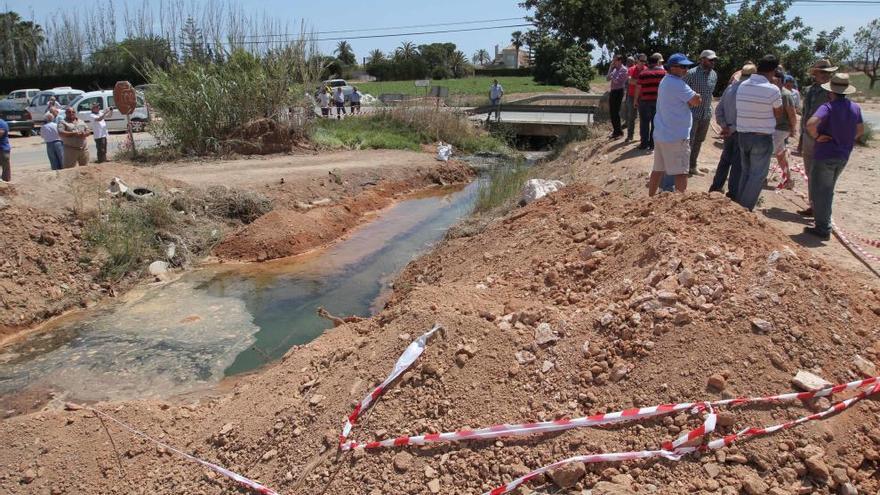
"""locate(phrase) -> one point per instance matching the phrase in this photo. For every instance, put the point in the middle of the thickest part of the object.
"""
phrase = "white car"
(38, 104)
(22, 95)
(116, 121)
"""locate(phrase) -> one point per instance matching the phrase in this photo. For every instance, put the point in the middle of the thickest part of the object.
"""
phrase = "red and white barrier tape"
(245, 482)
(409, 356)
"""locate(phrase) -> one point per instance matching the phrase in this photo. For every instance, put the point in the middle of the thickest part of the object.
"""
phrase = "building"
(507, 59)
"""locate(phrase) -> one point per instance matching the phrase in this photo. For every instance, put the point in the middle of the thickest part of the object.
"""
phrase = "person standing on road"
(496, 92)
(672, 125)
(99, 130)
(617, 75)
(355, 101)
(339, 99)
(54, 146)
(324, 99)
(703, 80)
(725, 115)
(758, 105)
(814, 97)
(646, 99)
(74, 133)
(5, 153)
(834, 126)
(785, 128)
(630, 109)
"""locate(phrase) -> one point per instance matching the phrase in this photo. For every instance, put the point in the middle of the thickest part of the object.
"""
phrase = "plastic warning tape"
(241, 480)
(844, 237)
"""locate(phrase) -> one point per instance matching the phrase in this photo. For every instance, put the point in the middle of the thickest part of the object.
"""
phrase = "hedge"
(85, 82)
(522, 71)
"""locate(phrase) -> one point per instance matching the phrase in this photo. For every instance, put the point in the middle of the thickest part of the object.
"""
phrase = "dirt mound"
(291, 230)
(634, 303)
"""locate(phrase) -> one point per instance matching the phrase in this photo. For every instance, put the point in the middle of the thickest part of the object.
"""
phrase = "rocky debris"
(568, 475)
(865, 367)
(544, 335)
(717, 382)
(808, 382)
(610, 488)
(753, 485)
(28, 476)
(402, 461)
(760, 325)
(817, 467)
(524, 357)
(434, 486)
(269, 455)
(316, 399)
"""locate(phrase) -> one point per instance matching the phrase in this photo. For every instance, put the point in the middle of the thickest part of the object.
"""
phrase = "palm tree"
(376, 56)
(344, 53)
(459, 65)
(516, 38)
(20, 41)
(481, 57)
(407, 50)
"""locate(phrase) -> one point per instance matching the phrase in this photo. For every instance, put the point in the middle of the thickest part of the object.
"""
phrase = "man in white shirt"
(324, 99)
(54, 146)
(758, 105)
(496, 91)
(99, 130)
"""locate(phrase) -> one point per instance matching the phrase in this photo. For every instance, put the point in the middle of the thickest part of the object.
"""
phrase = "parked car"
(336, 83)
(22, 95)
(15, 114)
(104, 99)
(63, 95)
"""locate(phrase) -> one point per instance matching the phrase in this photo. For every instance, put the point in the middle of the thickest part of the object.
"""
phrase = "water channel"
(224, 319)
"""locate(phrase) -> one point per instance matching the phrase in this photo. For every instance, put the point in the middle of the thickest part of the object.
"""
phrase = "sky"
(334, 15)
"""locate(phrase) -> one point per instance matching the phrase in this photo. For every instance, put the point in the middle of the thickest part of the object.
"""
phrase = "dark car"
(17, 116)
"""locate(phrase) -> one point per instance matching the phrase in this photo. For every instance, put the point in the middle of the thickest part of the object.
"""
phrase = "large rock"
(754, 485)
(808, 382)
(568, 475)
(544, 335)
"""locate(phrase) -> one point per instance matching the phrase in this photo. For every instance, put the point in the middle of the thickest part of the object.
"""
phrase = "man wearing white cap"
(834, 126)
(701, 79)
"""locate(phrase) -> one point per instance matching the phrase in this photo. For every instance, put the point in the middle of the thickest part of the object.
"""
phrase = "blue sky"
(349, 14)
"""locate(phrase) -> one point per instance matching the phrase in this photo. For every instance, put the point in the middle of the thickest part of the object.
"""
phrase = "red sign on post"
(125, 98)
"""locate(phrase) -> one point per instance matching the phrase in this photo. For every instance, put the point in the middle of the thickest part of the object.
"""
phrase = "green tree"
(459, 65)
(345, 54)
(406, 51)
(481, 57)
(132, 54)
(376, 56)
(20, 41)
(867, 50)
(193, 44)
(560, 63)
(517, 40)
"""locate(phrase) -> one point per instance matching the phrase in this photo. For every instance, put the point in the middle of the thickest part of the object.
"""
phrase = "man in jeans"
(99, 130)
(54, 146)
(5, 149)
(701, 79)
(814, 97)
(758, 105)
(496, 91)
(617, 75)
(725, 115)
(672, 126)
(646, 99)
(834, 126)
(629, 107)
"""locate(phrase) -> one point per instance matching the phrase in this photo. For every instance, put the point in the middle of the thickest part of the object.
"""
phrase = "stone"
(158, 268)
(754, 485)
(28, 476)
(847, 489)
(712, 469)
(865, 367)
(717, 382)
(808, 382)
(608, 241)
(316, 399)
(434, 485)
(226, 428)
(545, 335)
(737, 459)
(402, 462)
(686, 278)
(547, 366)
(461, 360)
(606, 319)
(268, 456)
(726, 418)
(609, 488)
(761, 326)
(619, 371)
(568, 475)
(817, 467)
(524, 357)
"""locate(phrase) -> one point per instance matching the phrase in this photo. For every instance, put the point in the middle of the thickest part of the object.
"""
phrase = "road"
(29, 153)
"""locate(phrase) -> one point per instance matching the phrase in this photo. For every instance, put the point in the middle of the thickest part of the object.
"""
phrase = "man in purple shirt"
(618, 75)
(835, 126)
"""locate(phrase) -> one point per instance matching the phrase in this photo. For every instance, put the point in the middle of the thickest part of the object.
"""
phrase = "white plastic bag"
(538, 188)
(444, 151)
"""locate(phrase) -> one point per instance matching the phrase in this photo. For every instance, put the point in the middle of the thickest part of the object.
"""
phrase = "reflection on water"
(226, 319)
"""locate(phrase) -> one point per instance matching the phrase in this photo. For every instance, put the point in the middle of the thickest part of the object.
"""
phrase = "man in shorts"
(785, 126)
(74, 133)
(672, 125)
(355, 101)
(339, 99)
(324, 99)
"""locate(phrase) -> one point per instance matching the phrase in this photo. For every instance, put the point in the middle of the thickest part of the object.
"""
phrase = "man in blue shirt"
(4, 152)
(672, 125)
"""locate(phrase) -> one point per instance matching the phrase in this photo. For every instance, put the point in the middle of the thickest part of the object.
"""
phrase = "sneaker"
(816, 232)
(806, 212)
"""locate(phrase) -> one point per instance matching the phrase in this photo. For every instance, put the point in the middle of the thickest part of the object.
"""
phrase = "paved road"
(29, 154)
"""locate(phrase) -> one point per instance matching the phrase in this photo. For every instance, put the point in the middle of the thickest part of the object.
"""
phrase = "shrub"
(236, 204)
(502, 185)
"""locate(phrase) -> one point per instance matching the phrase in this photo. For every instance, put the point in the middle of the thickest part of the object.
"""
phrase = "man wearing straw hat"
(834, 126)
(814, 97)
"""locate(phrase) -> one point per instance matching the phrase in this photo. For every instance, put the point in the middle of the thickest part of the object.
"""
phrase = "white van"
(22, 95)
(63, 95)
(104, 99)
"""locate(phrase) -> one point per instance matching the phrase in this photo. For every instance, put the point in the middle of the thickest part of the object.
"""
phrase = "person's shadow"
(807, 240)
(784, 216)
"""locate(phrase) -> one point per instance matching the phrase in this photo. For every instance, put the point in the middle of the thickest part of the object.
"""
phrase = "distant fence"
(84, 81)
(522, 71)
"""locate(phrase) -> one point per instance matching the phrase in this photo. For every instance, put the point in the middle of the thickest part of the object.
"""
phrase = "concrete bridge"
(545, 114)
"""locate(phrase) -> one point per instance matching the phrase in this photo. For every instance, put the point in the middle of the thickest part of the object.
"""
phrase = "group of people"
(758, 113)
(338, 98)
(65, 137)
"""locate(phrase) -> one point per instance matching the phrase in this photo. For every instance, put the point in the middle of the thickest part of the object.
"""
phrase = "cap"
(710, 54)
(839, 84)
(657, 56)
(679, 59)
(789, 78)
(642, 57)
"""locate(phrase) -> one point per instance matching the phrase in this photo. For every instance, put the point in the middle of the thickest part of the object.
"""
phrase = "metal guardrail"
(584, 104)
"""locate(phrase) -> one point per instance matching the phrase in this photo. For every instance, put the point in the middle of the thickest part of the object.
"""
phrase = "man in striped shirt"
(646, 99)
(758, 105)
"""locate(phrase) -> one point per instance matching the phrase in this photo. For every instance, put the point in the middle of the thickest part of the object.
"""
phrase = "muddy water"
(224, 319)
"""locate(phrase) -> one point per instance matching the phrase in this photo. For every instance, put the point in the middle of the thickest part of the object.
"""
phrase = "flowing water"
(224, 319)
